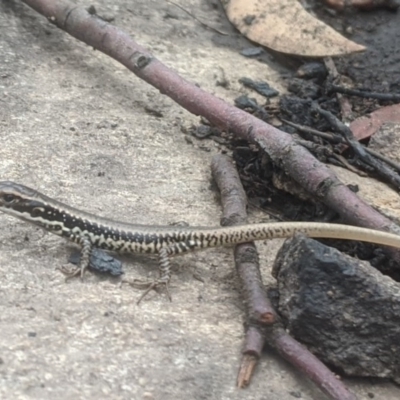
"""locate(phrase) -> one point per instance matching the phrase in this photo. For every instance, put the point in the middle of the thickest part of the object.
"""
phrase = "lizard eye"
(36, 211)
(9, 198)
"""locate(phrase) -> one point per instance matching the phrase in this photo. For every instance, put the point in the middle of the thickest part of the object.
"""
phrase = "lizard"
(89, 231)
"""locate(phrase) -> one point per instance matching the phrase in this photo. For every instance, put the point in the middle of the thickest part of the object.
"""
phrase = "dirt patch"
(378, 68)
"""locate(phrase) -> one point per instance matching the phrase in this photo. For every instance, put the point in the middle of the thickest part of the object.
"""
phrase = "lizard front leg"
(86, 251)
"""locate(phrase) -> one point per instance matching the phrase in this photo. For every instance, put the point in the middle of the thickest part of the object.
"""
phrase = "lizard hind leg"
(164, 269)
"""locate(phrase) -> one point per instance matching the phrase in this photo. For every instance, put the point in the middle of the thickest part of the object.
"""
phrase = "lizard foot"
(71, 271)
(148, 286)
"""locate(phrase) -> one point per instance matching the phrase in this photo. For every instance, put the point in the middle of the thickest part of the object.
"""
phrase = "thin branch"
(364, 93)
(328, 153)
(382, 170)
(203, 24)
(302, 359)
(346, 109)
(259, 311)
(234, 204)
(331, 137)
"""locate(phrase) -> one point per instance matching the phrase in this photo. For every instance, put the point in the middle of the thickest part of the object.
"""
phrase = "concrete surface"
(79, 127)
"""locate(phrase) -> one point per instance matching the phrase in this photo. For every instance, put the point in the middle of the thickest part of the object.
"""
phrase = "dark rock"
(100, 261)
(246, 103)
(343, 310)
(304, 89)
(312, 70)
(260, 87)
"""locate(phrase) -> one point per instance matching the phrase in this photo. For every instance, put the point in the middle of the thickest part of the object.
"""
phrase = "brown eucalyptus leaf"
(367, 125)
(285, 26)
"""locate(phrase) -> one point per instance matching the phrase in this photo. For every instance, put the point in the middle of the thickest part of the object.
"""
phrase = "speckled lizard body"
(90, 231)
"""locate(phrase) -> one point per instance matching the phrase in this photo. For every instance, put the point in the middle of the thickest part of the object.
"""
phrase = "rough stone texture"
(81, 128)
(378, 194)
(345, 311)
(100, 261)
(387, 140)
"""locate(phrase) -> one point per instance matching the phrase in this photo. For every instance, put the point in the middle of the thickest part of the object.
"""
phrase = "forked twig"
(262, 322)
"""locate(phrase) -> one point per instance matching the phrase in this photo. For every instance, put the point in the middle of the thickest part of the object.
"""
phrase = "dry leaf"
(285, 26)
(366, 126)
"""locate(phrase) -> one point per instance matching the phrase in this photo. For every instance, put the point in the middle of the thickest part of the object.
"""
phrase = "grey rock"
(346, 312)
